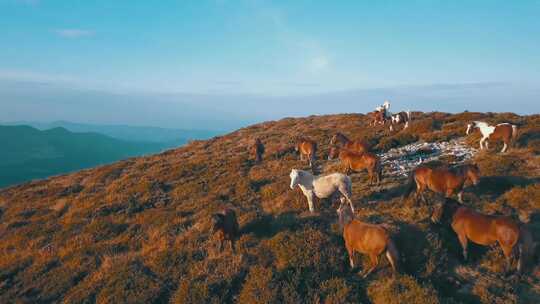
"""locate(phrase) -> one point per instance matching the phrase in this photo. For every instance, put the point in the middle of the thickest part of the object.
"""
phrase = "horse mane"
(345, 215)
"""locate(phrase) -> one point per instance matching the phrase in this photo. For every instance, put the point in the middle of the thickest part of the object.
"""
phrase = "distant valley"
(39, 150)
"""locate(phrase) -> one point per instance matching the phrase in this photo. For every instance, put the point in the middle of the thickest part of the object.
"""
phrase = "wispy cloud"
(74, 33)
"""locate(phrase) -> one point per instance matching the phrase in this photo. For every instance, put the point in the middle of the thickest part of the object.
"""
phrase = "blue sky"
(267, 49)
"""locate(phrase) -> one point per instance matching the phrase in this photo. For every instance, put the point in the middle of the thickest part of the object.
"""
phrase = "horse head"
(217, 221)
(444, 211)
(472, 173)
(345, 214)
(333, 153)
(470, 127)
(295, 175)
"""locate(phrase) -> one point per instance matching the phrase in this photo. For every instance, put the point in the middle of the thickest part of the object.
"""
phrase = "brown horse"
(356, 145)
(224, 223)
(442, 180)
(378, 118)
(366, 238)
(257, 149)
(486, 230)
(308, 148)
(354, 161)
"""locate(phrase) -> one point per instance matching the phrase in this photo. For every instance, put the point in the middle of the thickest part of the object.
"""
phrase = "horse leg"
(505, 146)
(460, 196)
(482, 143)
(310, 203)
(374, 262)
(507, 251)
(463, 241)
(350, 250)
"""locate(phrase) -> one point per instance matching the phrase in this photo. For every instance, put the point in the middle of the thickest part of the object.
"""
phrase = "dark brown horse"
(224, 223)
(353, 161)
(366, 238)
(486, 230)
(442, 180)
(308, 148)
(257, 149)
(378, 117)
(344, 142)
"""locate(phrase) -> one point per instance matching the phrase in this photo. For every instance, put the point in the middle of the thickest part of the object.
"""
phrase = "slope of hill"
(29, 153)
(138, 230)
(170, 137)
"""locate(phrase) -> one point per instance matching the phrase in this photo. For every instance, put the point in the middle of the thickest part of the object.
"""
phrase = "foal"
(356, 145)
(358, 161)
(307, 147)
(481, 229)
(503, 131)
(367, 239)
(442, 180)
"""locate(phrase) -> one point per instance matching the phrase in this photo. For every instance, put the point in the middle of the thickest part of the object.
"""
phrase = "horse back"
(502, 131)
(357, 146)
(366, 238)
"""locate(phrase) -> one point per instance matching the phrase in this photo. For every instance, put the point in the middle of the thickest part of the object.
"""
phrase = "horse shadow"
(267, 225)
(494, 186)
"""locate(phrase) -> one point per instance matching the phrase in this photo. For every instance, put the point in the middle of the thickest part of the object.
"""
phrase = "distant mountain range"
(171, 137)
(30, 153)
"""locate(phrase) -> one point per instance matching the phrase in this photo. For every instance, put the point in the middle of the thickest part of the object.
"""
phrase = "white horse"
(503, 131)
(322, 186)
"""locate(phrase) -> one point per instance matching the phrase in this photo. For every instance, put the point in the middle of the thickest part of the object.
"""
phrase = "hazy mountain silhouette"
(30, 153)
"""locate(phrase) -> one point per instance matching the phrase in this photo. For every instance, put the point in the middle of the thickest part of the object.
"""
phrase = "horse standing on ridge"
(503, 131)
(322, 186)
(307, 148)
(257, 149)
(356, 145)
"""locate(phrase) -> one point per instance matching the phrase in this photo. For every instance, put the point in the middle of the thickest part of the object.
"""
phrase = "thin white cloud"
(74, 33)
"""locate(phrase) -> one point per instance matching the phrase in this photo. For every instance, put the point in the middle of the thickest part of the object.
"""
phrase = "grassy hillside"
(29, 153)
(138, 230)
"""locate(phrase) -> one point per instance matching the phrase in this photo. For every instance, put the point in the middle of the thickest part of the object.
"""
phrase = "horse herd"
(374, 240)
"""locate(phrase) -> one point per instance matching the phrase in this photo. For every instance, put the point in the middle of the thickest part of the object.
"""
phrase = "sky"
(227, 63)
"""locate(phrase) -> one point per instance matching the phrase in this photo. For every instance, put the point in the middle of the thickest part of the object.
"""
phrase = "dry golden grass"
(138, 230)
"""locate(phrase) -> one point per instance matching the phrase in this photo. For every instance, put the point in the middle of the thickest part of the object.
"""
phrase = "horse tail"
(378, 169)
(514, 134)
(411, 186)
(409, 115)
(392, 254)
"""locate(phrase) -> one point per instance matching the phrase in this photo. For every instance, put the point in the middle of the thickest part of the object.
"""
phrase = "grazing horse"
(257, 149)
(366, 238)
(322, 186)
(401, 117)
(354, 161)
(503, 131)
(442, 180)
(307, 147)
(486, 230)
(356, 146)
(224, 223)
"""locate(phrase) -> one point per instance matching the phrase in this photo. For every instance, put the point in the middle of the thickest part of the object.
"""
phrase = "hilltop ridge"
(138, 230)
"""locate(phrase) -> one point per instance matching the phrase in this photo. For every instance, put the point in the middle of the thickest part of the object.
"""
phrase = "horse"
(257, 149)
(354, 161)
(322, 186)
(366, 238)
(377, 118)
(442, 180)
(503, 131)
(307, 147)
(401, 117)
(357, 146)
(486, 230)
(224, 223)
